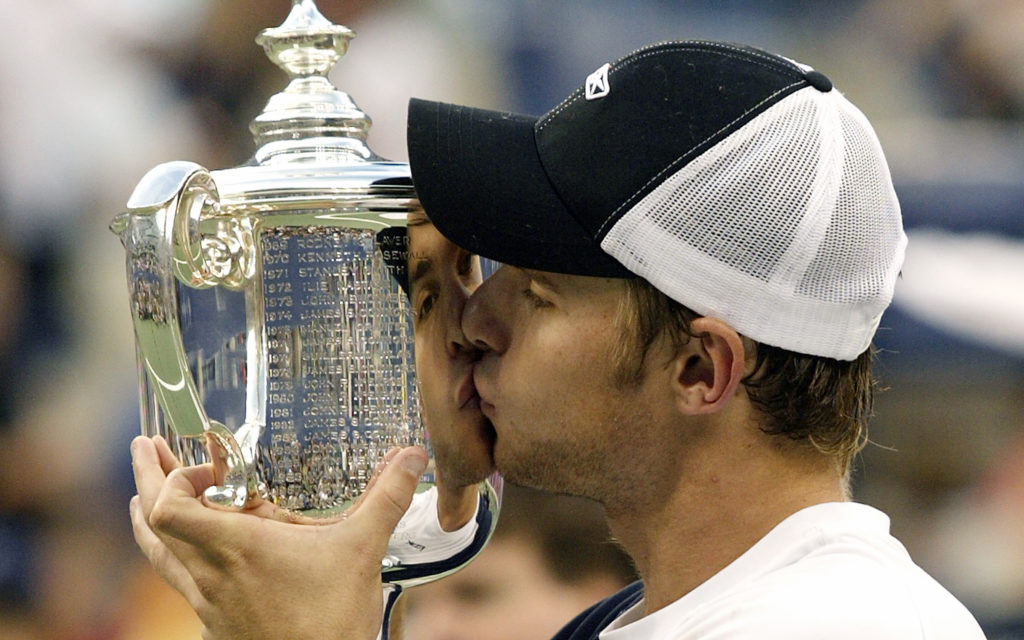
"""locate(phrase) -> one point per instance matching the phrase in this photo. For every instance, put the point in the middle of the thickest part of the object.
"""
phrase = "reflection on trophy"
(273, 337)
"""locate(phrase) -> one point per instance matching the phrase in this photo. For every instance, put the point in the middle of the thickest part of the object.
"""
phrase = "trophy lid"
(311, 136)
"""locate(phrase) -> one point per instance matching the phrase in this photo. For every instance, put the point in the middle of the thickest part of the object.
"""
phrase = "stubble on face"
(441, 275)
(465, 461)
(567, 423)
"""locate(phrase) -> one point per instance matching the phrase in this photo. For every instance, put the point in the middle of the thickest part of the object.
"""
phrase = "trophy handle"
(161, 234)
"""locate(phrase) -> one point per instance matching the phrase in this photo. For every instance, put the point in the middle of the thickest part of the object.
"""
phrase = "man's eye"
(426, 306)
(534, 299)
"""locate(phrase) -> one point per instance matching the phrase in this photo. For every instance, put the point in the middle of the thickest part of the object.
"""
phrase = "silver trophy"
(273, 337)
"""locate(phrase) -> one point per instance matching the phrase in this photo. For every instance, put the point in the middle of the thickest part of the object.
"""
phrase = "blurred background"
(96, 92)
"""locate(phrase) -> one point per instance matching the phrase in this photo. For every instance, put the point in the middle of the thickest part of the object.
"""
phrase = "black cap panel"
(543, 193)
(479, 179)
(664, 107)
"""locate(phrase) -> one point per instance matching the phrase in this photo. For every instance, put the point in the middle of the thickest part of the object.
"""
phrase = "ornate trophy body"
(272, 334)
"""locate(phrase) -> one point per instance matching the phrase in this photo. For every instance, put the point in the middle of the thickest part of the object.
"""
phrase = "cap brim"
(480, 181)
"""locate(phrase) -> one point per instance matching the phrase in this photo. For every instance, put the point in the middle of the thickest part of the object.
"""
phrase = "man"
(441, 277)
(438, 278)
(700, 243)
(702, 240)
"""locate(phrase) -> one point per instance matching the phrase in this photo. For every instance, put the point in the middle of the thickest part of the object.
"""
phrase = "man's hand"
(259, 573)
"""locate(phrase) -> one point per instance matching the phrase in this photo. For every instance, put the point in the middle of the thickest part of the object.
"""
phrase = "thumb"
(389, 496)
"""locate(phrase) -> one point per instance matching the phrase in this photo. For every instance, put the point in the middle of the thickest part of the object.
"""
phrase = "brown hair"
(823, 401)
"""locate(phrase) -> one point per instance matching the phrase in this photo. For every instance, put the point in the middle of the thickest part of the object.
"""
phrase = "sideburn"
(645, 315)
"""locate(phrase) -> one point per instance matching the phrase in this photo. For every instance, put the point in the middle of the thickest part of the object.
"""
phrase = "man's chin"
(471, 463)
(527, 470)
(486, 440)
(507, 464)
(464, 473)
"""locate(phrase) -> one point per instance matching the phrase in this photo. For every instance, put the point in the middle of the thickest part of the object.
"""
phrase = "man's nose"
(485, 319)
(456, 341)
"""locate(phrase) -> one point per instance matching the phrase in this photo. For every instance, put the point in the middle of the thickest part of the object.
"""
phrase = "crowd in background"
(97, 92)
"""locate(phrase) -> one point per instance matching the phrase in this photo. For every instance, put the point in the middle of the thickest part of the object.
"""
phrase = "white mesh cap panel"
(863, 228)
(789, 229)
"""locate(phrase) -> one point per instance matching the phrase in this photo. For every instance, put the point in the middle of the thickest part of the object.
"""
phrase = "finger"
(385, 503)
(178, 512)
(168, 461)
(191, 482)
(383, 462)
(377, 470)
(162, 558)
(149, 474)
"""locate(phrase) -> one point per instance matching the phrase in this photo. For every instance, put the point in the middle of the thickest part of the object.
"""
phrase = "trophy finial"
(307, 46)
(306, 43)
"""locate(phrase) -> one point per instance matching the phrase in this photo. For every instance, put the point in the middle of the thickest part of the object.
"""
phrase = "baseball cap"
(738, 182)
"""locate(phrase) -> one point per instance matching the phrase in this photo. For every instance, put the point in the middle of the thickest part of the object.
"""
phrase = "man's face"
(546, 379)
(441, 278)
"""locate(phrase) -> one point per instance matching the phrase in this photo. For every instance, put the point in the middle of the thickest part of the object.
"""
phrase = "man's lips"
(485, 407)
(466, 395)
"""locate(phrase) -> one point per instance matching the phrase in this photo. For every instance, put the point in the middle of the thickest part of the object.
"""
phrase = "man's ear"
(709, 368)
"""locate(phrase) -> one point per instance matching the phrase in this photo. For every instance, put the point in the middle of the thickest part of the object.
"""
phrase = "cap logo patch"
(597, 83)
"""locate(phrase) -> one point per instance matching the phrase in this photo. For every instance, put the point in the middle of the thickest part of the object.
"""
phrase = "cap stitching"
(766, 58)
(761, 59)
(564, 104)
(675, 162)
(775, 60)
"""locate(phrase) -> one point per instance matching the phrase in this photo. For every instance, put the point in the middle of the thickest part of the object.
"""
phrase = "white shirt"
(831, 571)
(419, 538)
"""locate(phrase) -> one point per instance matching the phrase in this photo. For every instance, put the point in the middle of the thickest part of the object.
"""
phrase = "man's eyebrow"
(541, 278)
(421, 267)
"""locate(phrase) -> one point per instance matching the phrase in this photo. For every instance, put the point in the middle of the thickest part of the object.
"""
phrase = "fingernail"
(415, 465)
